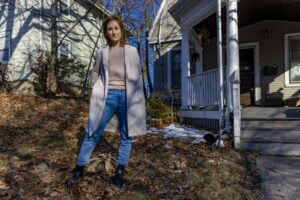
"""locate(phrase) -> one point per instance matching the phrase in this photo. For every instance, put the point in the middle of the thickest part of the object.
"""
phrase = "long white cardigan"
(136, 112)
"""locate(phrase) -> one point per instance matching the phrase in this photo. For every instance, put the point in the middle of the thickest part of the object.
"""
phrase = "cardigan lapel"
(105, 58)
(127, 59)
(105, 66)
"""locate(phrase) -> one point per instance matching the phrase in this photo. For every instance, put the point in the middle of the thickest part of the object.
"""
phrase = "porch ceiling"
(252, 11)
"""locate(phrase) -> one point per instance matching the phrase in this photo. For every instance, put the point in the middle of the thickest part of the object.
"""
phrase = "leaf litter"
(40, 138)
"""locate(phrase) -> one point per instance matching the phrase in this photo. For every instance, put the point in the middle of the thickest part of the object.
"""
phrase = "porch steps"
(273, 131)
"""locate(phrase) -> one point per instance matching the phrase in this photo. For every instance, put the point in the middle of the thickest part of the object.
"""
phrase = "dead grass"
(39, 140)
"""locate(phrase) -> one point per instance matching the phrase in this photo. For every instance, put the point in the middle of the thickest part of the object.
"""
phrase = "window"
(4, 47)
(176, 69)
(292, 59)
(64, 7)
(64, 50)
(194, 58)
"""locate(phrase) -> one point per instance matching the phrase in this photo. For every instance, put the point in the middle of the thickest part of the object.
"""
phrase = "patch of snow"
(198, 140)
(182, 131)
(153, 130)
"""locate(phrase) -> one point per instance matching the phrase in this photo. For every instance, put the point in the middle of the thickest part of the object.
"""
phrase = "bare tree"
(139, 16)
(147, 46)
(51, 77)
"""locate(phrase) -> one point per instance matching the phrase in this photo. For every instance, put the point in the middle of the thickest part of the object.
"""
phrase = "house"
(25, 31)
(244, 54)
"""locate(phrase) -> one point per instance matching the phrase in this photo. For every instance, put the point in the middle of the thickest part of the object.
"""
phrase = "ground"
(39, 140)
(280, 177)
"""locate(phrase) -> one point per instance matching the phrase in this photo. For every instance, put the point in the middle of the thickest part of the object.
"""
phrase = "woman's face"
(114, 32)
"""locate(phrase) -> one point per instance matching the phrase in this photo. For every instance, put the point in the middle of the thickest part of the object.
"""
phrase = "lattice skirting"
(201, 123)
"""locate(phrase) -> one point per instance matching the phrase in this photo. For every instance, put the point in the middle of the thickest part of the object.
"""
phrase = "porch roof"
(249, 11)
(169, 29)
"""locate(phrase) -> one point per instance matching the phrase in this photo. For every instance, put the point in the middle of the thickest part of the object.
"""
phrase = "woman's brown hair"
(121, 24)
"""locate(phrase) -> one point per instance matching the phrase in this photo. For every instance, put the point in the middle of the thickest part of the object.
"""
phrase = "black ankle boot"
(77, 172)
(119, 179)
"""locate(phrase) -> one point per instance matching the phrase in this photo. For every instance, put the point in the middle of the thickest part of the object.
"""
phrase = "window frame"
(170, 69)
(69, 50)
(59, 13)
(7, 34)
(287, 80)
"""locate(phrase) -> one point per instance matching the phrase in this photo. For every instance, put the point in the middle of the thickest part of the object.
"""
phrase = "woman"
(117, 99)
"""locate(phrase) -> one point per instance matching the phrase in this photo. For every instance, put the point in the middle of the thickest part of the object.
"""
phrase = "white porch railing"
(204, 89)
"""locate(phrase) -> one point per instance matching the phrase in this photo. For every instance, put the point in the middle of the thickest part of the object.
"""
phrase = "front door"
(247, 76)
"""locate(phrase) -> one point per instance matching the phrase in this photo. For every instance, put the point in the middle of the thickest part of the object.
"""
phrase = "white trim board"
(198, 13)
(286, 61)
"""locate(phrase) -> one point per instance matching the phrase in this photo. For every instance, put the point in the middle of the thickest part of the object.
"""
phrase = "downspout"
(159, 47)
(220, 65)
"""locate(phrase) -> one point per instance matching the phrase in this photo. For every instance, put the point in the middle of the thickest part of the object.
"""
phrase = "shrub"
(5, 85)
(159, 113)
(69, 75)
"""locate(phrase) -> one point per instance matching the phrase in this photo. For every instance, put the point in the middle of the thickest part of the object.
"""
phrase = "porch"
(246, 71)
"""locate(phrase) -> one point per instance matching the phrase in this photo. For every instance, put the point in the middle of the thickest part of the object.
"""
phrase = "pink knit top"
(116, 68)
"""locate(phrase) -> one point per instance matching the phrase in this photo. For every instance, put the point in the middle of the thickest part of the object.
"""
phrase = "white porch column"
(185, 68)
(233, 76)
(232, 47)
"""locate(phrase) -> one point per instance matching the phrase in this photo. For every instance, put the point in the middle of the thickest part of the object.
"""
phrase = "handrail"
(206, 72)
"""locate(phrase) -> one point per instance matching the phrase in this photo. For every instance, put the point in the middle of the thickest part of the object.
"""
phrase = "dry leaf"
(109, 165)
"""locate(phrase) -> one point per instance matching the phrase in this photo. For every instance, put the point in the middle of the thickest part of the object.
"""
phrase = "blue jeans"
(115, 103)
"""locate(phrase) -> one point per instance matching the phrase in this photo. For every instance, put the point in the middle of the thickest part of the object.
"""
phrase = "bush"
(5, 85)
(159, 113)
(69, 75)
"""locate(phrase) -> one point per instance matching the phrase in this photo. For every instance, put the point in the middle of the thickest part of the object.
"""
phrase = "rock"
(42, 166)
(54, 194)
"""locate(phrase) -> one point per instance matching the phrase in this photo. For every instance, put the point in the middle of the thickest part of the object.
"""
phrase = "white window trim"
(69, 9)
(286, 61)
(69, 49)
(7, 33)
(170, 67)
(199, 66)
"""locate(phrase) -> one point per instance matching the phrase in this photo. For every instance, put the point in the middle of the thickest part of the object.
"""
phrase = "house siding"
(170, 30)
(19, 18)
(30, 31)
(271, 53)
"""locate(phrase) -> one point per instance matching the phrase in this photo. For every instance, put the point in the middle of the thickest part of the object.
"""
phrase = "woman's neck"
(116, 44)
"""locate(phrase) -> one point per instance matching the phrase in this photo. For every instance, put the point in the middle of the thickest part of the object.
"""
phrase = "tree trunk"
(147, 48)
(51, 76)
(139, 49)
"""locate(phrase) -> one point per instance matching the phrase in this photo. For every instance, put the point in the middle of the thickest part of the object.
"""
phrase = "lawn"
(39, 140)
